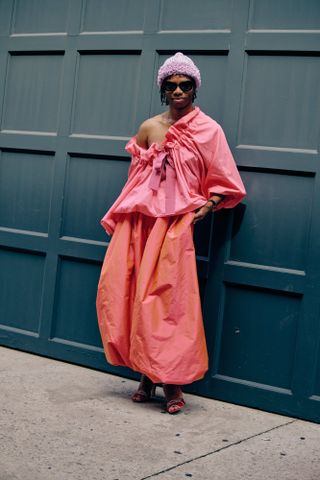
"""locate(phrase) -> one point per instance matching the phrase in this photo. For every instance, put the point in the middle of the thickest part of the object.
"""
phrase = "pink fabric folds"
(148, 300)
(162, 168)
(179, 175)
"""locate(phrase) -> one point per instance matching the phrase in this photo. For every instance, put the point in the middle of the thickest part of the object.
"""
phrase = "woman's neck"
(175, 114)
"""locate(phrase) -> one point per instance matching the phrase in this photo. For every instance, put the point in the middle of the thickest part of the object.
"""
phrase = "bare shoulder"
(150, 123)
(146, 129)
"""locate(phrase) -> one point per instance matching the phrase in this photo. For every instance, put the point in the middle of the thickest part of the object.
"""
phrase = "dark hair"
(163, 97)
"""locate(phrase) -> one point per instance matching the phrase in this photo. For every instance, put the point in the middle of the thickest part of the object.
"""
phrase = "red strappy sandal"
(146, 390)
(174, 398)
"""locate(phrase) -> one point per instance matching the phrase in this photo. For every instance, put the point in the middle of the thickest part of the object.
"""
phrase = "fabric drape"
(193, 162)
(148, 299)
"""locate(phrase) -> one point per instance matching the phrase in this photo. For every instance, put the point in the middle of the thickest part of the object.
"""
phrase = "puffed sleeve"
(222, 176)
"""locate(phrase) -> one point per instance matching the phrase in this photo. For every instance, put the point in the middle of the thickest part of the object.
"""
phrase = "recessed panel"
(280, 105)
(286, 14)
(32, 93)
(5, 16)
(106, 92)
(92, 186)
(110, 16)
(317, 386)
(21, 277)
(317, 379)
(39, 16)
(25, 190)
(75, 312)
(258, 336)
(211, 95)
(202, 15)
(274, 229)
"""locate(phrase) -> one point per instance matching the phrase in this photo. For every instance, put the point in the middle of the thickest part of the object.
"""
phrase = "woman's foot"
(145, 391)
(174, 398)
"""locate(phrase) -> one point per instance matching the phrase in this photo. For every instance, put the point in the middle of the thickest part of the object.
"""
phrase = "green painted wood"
(75, 83)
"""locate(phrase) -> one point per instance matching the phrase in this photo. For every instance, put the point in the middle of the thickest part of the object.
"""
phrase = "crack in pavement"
(217, 450)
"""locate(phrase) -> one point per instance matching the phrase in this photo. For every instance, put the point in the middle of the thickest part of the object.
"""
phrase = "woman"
(148, 300)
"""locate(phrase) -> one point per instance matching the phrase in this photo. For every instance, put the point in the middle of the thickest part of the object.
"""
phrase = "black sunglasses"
(185, 86)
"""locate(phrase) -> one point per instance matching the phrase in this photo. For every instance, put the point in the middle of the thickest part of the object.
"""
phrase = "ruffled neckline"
(183, 121)
(134, 148)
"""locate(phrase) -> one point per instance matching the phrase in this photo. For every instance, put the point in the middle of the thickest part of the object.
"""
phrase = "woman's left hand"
(202, 212)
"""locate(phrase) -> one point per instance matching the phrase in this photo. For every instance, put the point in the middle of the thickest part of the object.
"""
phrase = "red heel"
(174, 398)
(146, 390)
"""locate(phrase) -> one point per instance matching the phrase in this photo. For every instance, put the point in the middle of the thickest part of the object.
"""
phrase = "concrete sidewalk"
(60, 421)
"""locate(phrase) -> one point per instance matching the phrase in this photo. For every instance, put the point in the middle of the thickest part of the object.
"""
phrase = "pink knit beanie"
(179, 64)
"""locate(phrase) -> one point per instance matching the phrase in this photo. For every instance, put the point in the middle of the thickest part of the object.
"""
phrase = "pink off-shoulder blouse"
(193, 163)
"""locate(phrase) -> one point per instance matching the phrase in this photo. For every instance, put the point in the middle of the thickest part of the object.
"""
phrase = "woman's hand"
(213, 202)
(202, 212)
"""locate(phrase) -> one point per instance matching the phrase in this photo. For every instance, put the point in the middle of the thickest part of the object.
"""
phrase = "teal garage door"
(76, 80)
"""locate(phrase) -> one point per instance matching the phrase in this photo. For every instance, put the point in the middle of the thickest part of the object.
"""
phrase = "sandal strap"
(143, 393)
(176, 402)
